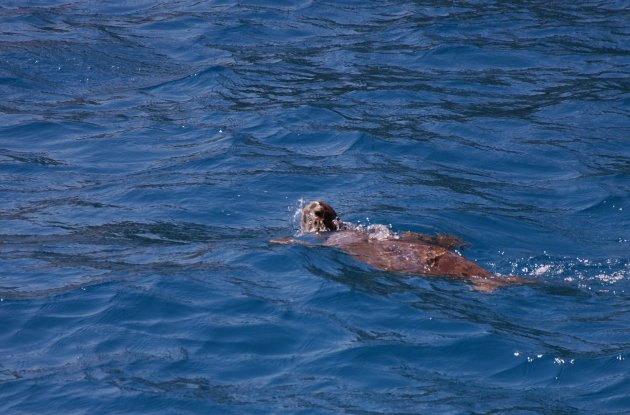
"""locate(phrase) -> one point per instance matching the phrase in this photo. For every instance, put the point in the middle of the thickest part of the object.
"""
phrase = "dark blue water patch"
(29, 158)
(150, 151)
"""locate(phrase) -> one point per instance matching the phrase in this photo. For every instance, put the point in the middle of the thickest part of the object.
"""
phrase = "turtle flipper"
(290, 241)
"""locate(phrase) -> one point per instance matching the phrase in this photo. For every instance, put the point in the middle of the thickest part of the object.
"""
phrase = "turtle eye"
(319, 213)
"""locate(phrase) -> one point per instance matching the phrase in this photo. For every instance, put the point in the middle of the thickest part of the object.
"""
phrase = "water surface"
(149, 151)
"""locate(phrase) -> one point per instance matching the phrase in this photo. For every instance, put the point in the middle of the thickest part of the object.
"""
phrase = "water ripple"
(150, 151)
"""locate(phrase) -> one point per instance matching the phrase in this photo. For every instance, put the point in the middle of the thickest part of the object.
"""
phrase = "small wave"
(14, 293)
(30, 158)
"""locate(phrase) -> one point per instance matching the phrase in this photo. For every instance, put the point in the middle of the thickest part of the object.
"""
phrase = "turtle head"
(319, 217)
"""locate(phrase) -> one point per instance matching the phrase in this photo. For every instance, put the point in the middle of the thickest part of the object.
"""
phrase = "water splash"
(593, 274)
(296, 218)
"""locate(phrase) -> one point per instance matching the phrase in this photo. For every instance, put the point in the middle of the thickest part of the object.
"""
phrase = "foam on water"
(608, 275)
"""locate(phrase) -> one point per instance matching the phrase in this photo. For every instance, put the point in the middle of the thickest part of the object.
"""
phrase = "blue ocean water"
(149, 151)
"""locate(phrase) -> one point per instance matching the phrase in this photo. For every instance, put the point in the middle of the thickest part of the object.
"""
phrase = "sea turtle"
(406, 253)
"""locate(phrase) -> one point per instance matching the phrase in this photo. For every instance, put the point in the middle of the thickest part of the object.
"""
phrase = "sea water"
(149, 151)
